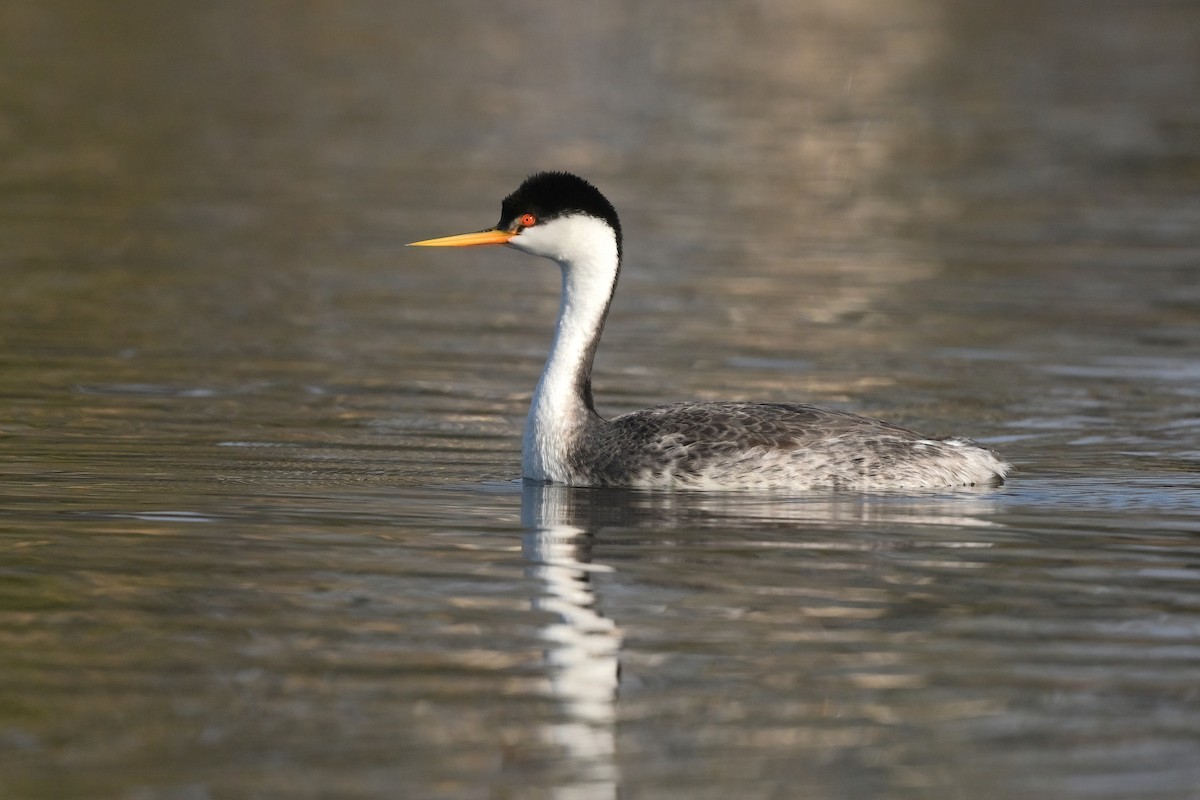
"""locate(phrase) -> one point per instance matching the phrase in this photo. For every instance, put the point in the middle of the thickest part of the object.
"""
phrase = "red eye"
(527, 220)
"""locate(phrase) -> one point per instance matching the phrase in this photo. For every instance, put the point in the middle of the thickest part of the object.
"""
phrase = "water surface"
(262, 528)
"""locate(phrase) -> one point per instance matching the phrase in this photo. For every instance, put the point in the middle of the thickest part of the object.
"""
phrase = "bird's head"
(556, 215)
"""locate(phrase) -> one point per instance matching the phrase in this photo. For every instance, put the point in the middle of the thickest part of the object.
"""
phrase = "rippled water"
(262, 533)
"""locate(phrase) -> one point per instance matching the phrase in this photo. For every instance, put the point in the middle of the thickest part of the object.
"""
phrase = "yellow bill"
(466, 239)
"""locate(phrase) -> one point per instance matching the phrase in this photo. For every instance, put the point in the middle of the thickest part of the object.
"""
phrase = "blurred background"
(817, 183)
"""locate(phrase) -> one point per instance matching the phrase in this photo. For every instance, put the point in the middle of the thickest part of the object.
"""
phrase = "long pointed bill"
(466, 239)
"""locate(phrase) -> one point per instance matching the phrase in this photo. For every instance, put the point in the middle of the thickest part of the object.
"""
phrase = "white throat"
(586, 251)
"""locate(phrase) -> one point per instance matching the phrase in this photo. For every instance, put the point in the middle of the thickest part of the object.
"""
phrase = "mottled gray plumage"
(769, 445)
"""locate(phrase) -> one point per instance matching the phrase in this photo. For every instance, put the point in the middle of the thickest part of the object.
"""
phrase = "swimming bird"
(733, 445)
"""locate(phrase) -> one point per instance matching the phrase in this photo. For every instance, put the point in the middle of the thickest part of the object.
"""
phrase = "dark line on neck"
(583, 376)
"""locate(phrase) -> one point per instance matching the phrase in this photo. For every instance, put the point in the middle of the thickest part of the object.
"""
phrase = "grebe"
(687, 445)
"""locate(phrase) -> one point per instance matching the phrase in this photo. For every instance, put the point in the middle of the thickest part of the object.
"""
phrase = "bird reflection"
(582, 644)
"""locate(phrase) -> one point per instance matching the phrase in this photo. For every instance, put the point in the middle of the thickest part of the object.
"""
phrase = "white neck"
(586, 252)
